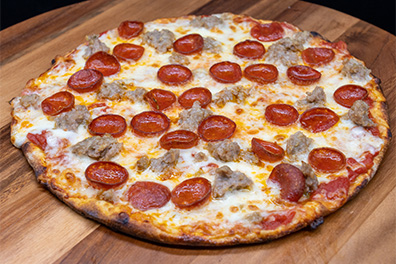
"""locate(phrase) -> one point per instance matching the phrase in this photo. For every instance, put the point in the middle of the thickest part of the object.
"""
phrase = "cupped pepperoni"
(318, 119)
(333, 190)
(226, 72)
(303, 75)
(261, 73)
(58, 103)
(150, 123)
(290, 180)
(160, 99)
(327, 160)
(174, 74)
(39, 139)
(128, 51)
(317, 56)
(267, 32)
(200, 94)
(106, 174)
(249, 49)
(191, 193)
(189, 44)
(145, 195)
(267, 151)
(105, 63)
(114, 125)
(281, 114)
(86, 80)
(179, 139)
(216, 127)
(346, 95)
(130, 29)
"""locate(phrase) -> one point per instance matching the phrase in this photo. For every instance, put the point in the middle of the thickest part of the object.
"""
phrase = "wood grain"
(37, 228)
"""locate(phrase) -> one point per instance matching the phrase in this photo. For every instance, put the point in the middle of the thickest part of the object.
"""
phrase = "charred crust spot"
(389, 134)
(9, 102)
(123, 218)
(315, 223)
(358, 188)
(53, 61)
(316, 34)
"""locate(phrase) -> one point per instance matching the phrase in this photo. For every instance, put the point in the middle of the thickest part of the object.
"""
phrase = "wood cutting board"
(35, 227)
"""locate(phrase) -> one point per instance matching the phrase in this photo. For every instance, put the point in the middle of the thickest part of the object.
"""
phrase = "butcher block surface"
(35, 227)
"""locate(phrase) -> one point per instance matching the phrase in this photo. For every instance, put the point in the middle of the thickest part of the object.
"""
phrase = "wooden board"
(37, 228)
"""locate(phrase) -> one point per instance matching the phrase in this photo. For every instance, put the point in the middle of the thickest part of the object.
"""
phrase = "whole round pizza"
(204, 130)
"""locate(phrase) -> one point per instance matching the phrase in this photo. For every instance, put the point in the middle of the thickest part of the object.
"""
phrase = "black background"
(381, 13)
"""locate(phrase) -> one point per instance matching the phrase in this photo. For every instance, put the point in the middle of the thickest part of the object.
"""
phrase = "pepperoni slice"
(261, 73)
(40, 140)
(318, 119)
(130, 29)
(346, 95)
(275, 220)
(150, 123)
(317, 56)
(290, 180)
(327, 160)
(267, 32)
(58, 103)
(249, 49)
(128, 51)
(333, 190)
(114, 125)
(267, 151)
(281, 114)
(106, 174)
(174, 74)
(179, 139)
(189, 44)
(160, 99)
(86, 80)
(226, 72)
(303, 75)
(105, 63)
(191, 193)
(200, 94)
(216, 127)
(145, 195)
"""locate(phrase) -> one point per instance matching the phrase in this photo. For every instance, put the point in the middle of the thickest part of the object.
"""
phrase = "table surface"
(35, 227)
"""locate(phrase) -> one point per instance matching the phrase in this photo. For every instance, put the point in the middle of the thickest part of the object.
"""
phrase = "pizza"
(204, 130)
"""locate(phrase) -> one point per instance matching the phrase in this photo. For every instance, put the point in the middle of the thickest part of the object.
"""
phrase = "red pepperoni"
(160, 99)
(130, 29)
(249, 49)
(106, 174)
(274, 220)
(216, 127)
(267, 32)
(303, 75)
(333, 190)
(86, 80)
(261, 73)
(318, 119)
(346, 95)
(174, 74)
(114, 125)
(189, 44)
(356, 168)
(58, 103)
(281, 114)
(317, 56)
(128, 51)
(179, 139)
(105, 63)
(40, 140)
(290, 180)
(327, 160)
(150, 123)
(145, 195)
(267, 151)
(200, 94)
(226, 72)
(191, 193)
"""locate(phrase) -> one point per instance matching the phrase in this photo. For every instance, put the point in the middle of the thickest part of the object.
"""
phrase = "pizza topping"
(333, 190)
(105, 63)
(359, 114)
(211, 45)
(261, 73)
(285, 51)
(273, 221)
(161, 40)
(290, 180)
(315, 98)
(111, 91)
(355, 70)
(317, 56)
(190, 118)
(235, 94)
(114, 125)
(216, 127)
(318, 119)
(249, 157)
(106, 174)
(150, 123)
(94, 45)
(130, 29)
(177, 58)
(128, 51)
(191, 193)
(281, 114)
(303, 75)
(58, 103)
(38, 139)
(174, 74)
(267, 151)
(86, 80)
(297, 144)
(356, 168)
(207, 22)
(30, 100)
(136, 95)
(189, 44)
(327, 160)
(146, 195)
(249, 49)
(229, 180)
(199, 94)
(346, 95)
(101, 148)
(267, 32)
(179, 139)
(200, 156)
(142, 163)
(226, 72)
(225, 150)
(311, 180)
(166, 161)
(160, 99)
(79, 115)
